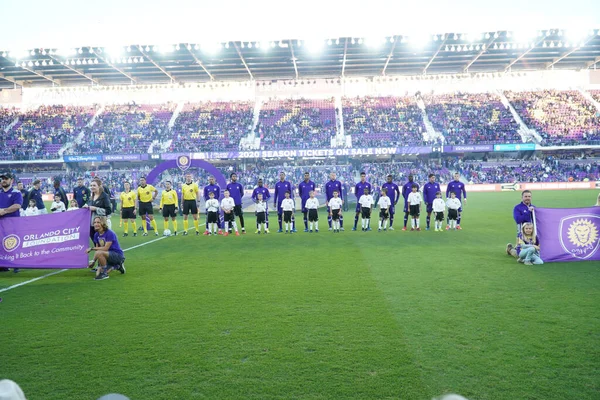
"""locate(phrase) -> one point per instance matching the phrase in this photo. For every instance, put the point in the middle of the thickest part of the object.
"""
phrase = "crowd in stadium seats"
(560, 117)
(383, 121)
(123, 129)
(472, 119)
(212, 126)
(297, 124)
(40, 133)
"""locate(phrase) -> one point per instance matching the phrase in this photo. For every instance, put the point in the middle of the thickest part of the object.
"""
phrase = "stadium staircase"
(527, 134)
(9, 126)
(430, 133)
(339, 120)
(252, 141)
(162, 147)
(590, 99)
(81, 134)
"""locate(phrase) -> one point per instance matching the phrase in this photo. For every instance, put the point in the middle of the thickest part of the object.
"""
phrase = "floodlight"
(44, 63)
(114, 51)
(249, 45)
(30, 64)
(360, 41)
(189, 47)
(196, 47)
(4, 54)
(242, 45)
(487, 35)
(524, 36)
(129, 49)
(560, 44)
(257, 45)
(32, 52)
(147, 48)
(23, 64)
(352, 41)
(211, 48)
(452, 48)
(226, 45)
(299, 43)
(391, 39)
(337, 41)
(496, 35)
(455, 36)
(80, 51)
(545, 44)
(177, 48)
(95, 61)
(91, 50)
(37, 63)
(447, 48)
(44, 52)
(78, 62)
(50, 62)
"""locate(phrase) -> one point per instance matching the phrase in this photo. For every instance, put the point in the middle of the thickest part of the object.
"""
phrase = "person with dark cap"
(58, 190)
(11, 201)
(36, 194)
(21, 189)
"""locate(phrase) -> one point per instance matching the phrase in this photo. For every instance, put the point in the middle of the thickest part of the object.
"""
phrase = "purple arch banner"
(184, 162)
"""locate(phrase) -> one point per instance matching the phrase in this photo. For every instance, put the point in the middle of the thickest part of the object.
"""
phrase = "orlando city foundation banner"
(568, 234)
(46, 241)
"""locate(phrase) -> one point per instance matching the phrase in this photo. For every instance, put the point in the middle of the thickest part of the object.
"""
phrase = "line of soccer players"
(283, 201)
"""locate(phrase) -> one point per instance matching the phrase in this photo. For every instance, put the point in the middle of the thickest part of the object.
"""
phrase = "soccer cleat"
(155, 233)
(16, 270)
(329, 228)
(175, 233)
(412, 229)
(121, 268)
(310, 231)
(237, 233)
(294, 230)
(125, 235)
(316, 231)
(528, 263)
(305, 229)
(197, 233)
(427, 228)
(419, 229)
(134, 234)
(206, 233)
(458, 227)
(390, 228)
(402, 228)
(226, 234)
(355, 228)
(101, 277)
(145, 234)
(185, 233)
(220, 232)
(369, 229)
(341, 229)
(509, 247)
(447, 227)
(257, 232)
(520, 260)
(379, 230)
(280, 230)
(385, 229)
(266, 231)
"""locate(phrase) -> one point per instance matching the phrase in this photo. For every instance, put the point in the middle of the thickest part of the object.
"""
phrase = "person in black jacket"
(99, 204)
(61, 192)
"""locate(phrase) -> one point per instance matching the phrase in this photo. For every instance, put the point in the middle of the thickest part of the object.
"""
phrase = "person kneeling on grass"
(109, 254)
(528, 246)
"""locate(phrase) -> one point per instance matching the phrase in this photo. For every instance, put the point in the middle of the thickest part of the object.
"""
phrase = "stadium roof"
(450, 53)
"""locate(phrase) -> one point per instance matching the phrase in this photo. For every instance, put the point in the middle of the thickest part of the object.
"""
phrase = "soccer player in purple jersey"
(333, 186)
(236, 191)
(280, 188)
(266, 195)
(406, 190)
(216, 190)
(458, 188)
(429, 191)
(359, 190)
(304, 189)
(393, 192)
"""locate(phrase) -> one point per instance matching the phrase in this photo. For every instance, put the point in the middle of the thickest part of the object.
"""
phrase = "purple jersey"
(429, 191)
(393, 191)
(280, 189)
(304, 189)
(521, 213)
(359, 189)
(332, 186)
(236, 191)
(262, 190)
(458, 188)
(11, 197)
(407, 188)
(214, 189)
(108, 236)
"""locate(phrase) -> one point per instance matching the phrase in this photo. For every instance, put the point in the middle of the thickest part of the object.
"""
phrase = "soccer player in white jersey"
(366, 206)
(384, 204)
(335, 206)
(227, 205)
(287, 206)
(312, 205)
(438, 208)
(212, 213)
(261, 214)
(414, 205)
(453, 204)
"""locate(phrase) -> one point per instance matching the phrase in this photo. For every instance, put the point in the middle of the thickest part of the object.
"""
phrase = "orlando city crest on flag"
(568, 234)
(184, 162)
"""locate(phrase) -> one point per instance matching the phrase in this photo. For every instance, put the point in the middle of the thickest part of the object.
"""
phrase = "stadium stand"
(383, 121)
(472, 118)
(297, 124)
(560, 117)
(212, 126)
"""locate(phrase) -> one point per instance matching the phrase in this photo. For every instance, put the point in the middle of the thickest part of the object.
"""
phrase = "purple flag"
(568, 234)
(45, 241)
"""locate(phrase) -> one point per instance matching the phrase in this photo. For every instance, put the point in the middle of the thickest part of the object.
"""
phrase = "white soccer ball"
(167, 232)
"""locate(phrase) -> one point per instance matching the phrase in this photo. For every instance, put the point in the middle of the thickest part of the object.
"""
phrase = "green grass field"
(395, 315)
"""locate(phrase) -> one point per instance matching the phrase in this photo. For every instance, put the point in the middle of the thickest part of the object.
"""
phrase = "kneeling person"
(108, 253)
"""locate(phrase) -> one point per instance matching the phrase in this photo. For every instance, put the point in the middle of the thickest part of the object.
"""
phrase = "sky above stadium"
(62, 23)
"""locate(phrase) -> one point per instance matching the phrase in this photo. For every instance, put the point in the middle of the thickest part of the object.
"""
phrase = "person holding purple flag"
(11, 201)
(330, 187)
(359, 190)
(406, 191)
(280, 188)
(108, 252)
(304, 189)
(266, 195)
(393, 192)
(522, 213)
(236, 191)
(430, 190)
(458, 188)
(212, 187)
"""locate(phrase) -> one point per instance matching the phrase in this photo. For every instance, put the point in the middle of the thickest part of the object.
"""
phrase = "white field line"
(63, 270)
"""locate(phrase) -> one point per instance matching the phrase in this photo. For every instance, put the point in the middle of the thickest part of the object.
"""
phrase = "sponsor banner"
(548, 186)
(515, 147)
(568, 234)
(50, 196)
(122, 157)
(46, 241)
(83, 158)
(468, 148)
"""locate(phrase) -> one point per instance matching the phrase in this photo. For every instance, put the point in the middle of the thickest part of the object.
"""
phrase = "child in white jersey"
(453, 205)
(212, 213)
(288, 205)
(261, 214)
(227, 205)
(384, 204)
(366, 205)
(414, 203)
(57, 205)
(335, 206)
(32, 210)
(312, 205)
(438, 208)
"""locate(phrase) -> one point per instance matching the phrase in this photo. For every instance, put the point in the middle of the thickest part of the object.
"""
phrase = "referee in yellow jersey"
(128, 209)
(168, 206)
(190, 192)
(146, 194)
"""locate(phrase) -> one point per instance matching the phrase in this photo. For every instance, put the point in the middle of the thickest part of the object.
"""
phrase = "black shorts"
(169, 211)
(114, 259)
(228, 217)
(313, 215)
(261, 217)
(383, 213)
(287, 216)
(145, 208)
(414, 210)
(439, 216)
(335, 214)
(365, 212)
(452, 214)
(212, 217)
(237, 211)
(190, 206)
(128, 213)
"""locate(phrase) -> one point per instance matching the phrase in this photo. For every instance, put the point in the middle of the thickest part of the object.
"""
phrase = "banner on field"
(45, 241)
(568, 234)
